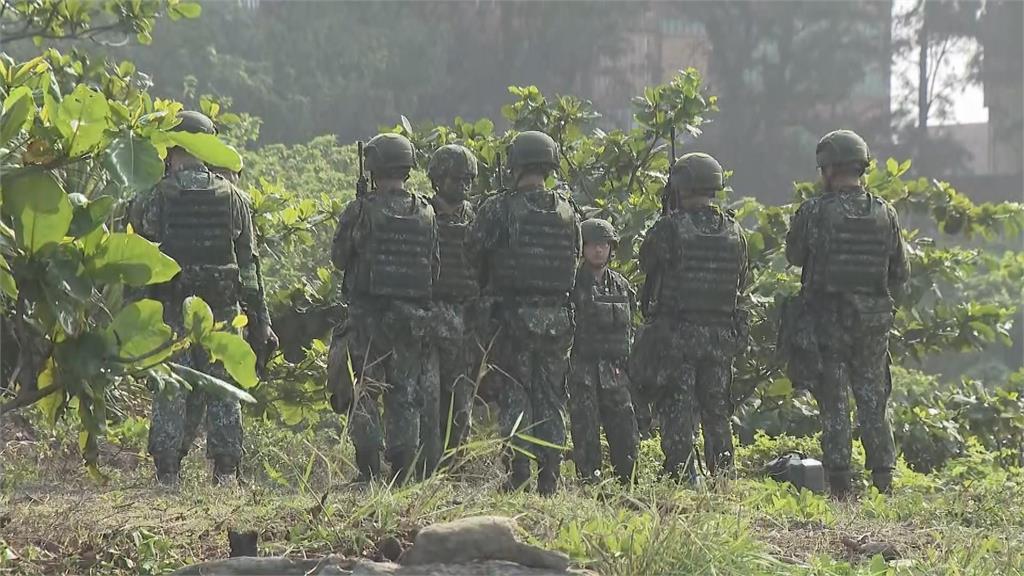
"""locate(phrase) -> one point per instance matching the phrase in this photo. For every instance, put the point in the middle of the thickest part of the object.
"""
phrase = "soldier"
(527, 240)
(386, 244)
(696, 258)
(446, 418)
(848, 245)
(599, 391)
(205, 224)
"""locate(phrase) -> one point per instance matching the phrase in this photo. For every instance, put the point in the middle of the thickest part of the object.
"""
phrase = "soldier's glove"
(264, 343)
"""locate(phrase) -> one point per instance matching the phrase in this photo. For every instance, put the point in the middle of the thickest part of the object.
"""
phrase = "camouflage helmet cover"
(842, 147)
(194, 122)
(385, 151)
(696, 172)
(533, 147)
(452, 160)
(598, 230)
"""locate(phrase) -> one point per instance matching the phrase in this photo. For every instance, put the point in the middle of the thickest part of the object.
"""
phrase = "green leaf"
(207, 148)
(236, 355)
(89, 215)
(133, 164)
(39, 206)
(131, 259)
(138, 330)
(210, 384)
(189, 9)
(198, 318)
(7, 284)
(50, 404)
(82, 118)
(17, 113)
(780, 387)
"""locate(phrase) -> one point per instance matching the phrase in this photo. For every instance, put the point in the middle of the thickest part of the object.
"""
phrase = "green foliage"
(115, 19)
(80, 136)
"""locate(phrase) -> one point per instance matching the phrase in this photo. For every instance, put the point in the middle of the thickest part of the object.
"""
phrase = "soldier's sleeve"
(648, 254)
(435, 251)
(579, 237)
(142, 214)
(482, 233)
(745, 277)
(899, 261)
(797, 237)
(343, 247)
(253, 293)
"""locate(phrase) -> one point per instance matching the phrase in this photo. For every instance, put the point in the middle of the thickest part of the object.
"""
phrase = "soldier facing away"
(386, 244)
(205, 223)
(527, 240)
(853, 261)
(448, 380)
(696, 256)
(599, 391)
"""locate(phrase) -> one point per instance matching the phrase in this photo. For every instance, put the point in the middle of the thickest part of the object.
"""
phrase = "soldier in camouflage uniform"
(599, 391)
(386, 244)
(853, 262)
(527, 241)
(448, 379)
(696, 256)
(205, 224)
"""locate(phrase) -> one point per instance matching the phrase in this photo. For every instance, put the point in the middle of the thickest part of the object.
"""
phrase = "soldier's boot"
(518, 472)
(225, 471)
(547, 476)
(840, 486)
(369, 466)
(403, 464)
(168, 468)
(882, 480)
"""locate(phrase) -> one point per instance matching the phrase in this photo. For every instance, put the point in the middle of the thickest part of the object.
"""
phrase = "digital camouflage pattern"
(531, 348)
(177, 414)
(385, 339)
(837, 343)
(449, 377)
(684, 365)
(599, 389)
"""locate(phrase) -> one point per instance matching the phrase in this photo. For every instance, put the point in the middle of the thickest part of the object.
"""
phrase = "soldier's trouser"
(178, 413)
(389, 373)
(863, 369)
(599, 395)
(688, 390)
(531, 399)
(458, 387)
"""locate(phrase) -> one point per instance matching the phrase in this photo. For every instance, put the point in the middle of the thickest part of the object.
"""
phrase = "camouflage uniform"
(386, 243)
(526, 242)
(849, 246)
(165, 215)
(452, 348)
(698, 260)
(449, 377)
(599, 389)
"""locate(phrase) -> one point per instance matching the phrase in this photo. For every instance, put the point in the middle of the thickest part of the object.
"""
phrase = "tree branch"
(29, 398)
(87, 33)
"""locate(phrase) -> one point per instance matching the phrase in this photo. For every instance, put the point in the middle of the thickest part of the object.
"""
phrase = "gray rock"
(479, 539)
(270, 566)
(487, 568)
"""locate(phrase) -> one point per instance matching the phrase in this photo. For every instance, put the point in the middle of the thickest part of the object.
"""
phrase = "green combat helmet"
(533, 148)
(696, 172)
(598, 230)
(842, 147)
(452, 160)
(389, 151)
(194, 122)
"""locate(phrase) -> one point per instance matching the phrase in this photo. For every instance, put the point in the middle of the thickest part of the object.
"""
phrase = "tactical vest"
(703, 284)
(603, 326)
(539, 257)
(856, 243)
(458, 278)
(398, 251)
(197, 229)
